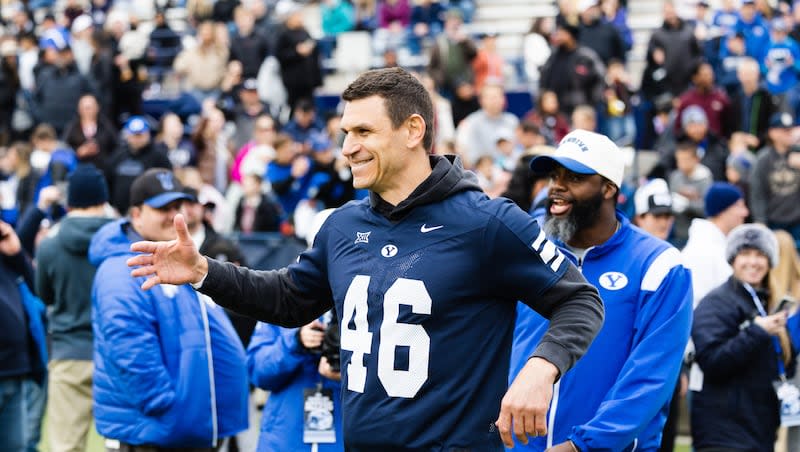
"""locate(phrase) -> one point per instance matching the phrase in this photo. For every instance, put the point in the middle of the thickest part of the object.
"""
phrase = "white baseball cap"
(584, 152)
(81, 23)
(653, 197)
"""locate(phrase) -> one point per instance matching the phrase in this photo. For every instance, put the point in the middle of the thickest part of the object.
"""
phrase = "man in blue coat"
(169, 367)
(617, 396)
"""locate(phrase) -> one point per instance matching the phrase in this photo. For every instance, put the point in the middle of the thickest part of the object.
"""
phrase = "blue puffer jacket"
(155, 380)
(278, 363)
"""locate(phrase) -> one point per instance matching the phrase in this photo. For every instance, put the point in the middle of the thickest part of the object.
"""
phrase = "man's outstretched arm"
(269, 296)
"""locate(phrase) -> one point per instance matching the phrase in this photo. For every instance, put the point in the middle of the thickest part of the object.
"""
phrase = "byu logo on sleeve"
(613, 280)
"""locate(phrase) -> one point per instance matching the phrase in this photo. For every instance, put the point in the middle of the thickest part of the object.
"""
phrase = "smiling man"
(617, 396)
(169, 369)
(424, 277)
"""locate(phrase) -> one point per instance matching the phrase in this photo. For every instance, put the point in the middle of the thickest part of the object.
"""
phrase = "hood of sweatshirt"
(447, 178)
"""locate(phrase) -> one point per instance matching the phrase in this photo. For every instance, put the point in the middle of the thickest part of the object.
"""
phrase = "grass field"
(95, 443)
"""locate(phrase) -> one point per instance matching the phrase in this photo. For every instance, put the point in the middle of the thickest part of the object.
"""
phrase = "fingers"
(539, 425)
(503, 424)
(529, 423)
(140, 259)
(151, 282)
(519, 429)
(146, 270)
(144, 247)
(181, 229)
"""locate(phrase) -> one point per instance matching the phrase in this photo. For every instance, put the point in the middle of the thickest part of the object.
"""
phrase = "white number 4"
(397, 383)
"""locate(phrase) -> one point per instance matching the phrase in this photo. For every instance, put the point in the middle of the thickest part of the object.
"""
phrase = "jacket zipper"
(552, 421)
(210, 357)
(557, 387)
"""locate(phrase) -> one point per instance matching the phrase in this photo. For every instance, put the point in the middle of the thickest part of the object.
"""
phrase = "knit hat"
(87, 187)
(693, 115)
(742, 163)
(755, 236)
(720, 196)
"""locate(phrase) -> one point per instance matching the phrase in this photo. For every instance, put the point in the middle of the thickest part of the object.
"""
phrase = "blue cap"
(781, 121)
(156, 188)
(320, 142)
(54, 39)
(136, 125)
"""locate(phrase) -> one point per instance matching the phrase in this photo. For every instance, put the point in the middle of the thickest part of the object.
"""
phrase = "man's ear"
(610, 190)
(416, 130)
(134, 212)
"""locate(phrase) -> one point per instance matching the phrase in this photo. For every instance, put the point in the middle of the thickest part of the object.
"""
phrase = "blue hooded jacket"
(169, 367)
(617, 396)
(278, 363)
(780, 76)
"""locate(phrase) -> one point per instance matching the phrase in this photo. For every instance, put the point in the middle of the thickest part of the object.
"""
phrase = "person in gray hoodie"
(64, 278)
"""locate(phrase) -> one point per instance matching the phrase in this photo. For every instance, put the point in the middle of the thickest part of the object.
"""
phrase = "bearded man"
(617, 397)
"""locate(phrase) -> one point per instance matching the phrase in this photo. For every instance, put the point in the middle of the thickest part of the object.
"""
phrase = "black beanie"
(87, 187)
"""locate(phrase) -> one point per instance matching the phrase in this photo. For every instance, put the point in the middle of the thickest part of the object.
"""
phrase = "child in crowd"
(689, 184)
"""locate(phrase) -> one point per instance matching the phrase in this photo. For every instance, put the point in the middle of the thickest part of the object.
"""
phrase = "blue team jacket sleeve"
(793, 327)
(524, 265)
(128, 320)
(722, 346)
(274, 357)
(647, 379)
(290, 297)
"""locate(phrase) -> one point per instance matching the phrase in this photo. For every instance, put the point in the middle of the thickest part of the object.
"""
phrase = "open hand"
(171, 262)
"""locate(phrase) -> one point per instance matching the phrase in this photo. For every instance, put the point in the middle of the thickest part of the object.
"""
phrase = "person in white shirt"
(704, 253)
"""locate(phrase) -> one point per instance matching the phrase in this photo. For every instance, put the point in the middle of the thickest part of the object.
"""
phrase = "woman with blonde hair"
(784, 279)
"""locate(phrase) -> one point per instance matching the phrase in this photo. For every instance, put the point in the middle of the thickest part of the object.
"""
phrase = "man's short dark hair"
(403, 95)
(686, 145)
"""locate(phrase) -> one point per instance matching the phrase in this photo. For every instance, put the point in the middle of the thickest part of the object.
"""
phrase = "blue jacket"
(756, 36)
(617, 396)
(277, 363)
(780, 76)
(169, 368)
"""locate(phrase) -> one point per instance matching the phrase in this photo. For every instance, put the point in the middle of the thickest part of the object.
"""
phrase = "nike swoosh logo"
(424, 229)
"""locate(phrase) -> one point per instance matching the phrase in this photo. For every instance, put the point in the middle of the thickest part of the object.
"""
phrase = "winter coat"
(737, 407)
(169, 368)
(64, 278)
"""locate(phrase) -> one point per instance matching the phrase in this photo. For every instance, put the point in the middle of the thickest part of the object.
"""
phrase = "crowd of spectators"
(222, 93)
